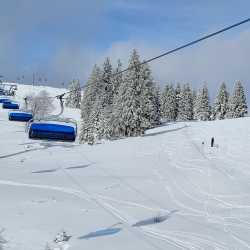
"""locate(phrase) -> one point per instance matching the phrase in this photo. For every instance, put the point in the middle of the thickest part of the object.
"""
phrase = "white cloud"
(214, 61)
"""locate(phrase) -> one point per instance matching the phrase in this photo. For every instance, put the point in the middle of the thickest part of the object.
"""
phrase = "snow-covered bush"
(41, 104)
(59, 242)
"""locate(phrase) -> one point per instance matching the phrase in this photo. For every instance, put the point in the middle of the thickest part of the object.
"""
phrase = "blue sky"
(62, 39)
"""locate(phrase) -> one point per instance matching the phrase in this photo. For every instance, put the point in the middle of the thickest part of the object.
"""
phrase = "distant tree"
(202, 107)
(177, 95)
(185, 104)
(194, 100)
(41, 104)
(220, 107)
(74, 98)
(168, 103)
(237, 103)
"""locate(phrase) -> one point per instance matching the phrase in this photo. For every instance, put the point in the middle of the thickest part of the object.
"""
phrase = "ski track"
(227, 205)
(82, 195)
(178, 239)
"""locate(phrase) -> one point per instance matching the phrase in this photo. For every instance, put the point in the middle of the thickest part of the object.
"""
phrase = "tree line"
(183, 104)
(122, 105)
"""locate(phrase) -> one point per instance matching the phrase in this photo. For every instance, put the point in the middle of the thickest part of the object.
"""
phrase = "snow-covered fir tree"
(237, 106)
(220, 107)
(202, 107)
(91, 106)
(73, 100)
(129, 111)
(106, 100)
(185, 111)
(168, 103)
(107, 83)
(177, 95)
(194, 100)
(150, 99)
(117, 82)
(117, 78)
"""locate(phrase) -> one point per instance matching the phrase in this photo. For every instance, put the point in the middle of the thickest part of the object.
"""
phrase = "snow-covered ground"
(108, 195)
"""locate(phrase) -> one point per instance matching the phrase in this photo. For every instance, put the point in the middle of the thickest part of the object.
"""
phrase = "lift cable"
(174, 50)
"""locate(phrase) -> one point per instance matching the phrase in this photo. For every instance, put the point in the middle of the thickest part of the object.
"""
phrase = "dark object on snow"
(20, 116)
(52, 131)
(203, 143)
(10, 105)
(212, 141)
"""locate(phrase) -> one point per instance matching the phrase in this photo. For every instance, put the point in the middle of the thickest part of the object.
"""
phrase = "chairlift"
(22, 115)
(53, 127)
(10, 105)
(4, 99)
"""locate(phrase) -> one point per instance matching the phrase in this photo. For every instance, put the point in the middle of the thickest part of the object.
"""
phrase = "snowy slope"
(106, 196)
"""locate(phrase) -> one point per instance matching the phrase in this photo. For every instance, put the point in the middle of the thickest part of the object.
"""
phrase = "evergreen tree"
(129, 112)
(185, 104)
(104, 129)
(168, 103)
(237, 102)
(221, 103)
(150, 99)
(91, 106)
(177, 95)
(117, 82)
(107, 84)
(74, 98)
(194, 100)
(202, 108)
(117, 79)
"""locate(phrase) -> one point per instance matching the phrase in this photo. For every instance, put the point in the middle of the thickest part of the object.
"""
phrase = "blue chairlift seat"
(10, 105)
(21, 116)
(52, 131)
(4, 99)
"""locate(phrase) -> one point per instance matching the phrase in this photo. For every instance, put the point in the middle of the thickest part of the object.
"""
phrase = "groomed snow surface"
(165, 190)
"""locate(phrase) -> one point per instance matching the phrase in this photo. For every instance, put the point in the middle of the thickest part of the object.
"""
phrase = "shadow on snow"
(43, 146)
(100, 233)
(155, 220)
(55, 169)
(165, 131)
